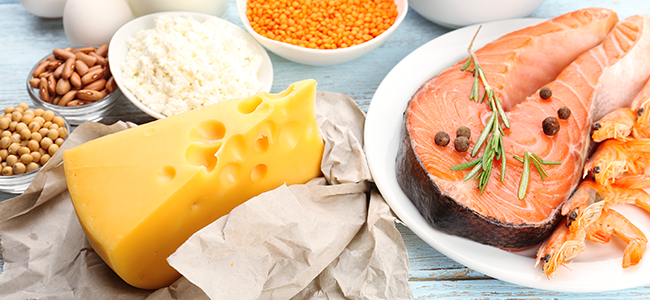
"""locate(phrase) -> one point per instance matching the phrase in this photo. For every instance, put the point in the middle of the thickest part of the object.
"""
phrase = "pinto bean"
(111, 86)
(90, 95)
(75, 80)
(102, 50)
(92, 75)
(62, 86)
(68, 68)
(87, 59)
(63, 53)
(69, 96)
(96, 85)
(81, 67)
(40, 68)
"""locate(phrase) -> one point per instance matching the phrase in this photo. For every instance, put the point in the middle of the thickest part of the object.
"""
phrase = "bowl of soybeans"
(29, 137)
(321, 33)
(74, 82)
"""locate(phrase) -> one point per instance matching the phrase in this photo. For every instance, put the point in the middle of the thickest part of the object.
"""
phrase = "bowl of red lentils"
(321, 33)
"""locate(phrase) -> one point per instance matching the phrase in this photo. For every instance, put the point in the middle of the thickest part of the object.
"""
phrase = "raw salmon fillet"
(592, 63)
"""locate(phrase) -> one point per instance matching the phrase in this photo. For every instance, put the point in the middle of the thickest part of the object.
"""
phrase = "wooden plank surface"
(24, 39)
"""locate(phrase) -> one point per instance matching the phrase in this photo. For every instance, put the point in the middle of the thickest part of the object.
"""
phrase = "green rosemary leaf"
(502, 113)
(475, 94)
(521, 160)
(489, 152)
(483, 182)
(483, 136)
(539, 168)
(466, 165)
(525, 174)
(503, 164)
(473, 172)
(546, 162)
(467, 64)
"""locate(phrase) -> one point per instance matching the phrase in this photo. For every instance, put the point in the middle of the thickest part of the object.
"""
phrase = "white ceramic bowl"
(316, 57)
(212, 7)
(117, 51)
(459, 13)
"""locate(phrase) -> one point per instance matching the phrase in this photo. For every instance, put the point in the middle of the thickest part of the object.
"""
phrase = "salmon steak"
(592, 62)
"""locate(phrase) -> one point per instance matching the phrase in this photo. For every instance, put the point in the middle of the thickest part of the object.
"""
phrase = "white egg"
(93, 22)
(44, 8)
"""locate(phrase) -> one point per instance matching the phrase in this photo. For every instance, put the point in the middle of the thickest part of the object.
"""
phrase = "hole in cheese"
(203, 155)
(269, 129)
(259, 173)
(208, 131)
(230, 175)
(249, 105)
(262, 144)
(167, 173)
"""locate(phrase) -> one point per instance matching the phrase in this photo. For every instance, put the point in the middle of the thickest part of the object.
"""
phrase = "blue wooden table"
(25, 38)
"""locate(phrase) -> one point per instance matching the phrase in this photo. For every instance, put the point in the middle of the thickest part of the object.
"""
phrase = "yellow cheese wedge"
(142, 192)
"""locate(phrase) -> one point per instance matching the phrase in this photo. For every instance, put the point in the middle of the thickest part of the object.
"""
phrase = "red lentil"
(321, 24)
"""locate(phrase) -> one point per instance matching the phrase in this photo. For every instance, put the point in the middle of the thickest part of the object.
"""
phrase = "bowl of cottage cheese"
(171, 62)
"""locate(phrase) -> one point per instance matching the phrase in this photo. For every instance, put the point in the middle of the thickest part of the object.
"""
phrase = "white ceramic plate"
(117, 51)
(596, 269)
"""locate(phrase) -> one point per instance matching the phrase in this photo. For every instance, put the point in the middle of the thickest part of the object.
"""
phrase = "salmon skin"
(592, 63)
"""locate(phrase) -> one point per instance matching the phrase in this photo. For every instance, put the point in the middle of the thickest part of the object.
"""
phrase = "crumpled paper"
(332, 238)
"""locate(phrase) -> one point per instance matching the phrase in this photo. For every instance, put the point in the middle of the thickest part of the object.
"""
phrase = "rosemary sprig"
(492, 132)
(525, 175)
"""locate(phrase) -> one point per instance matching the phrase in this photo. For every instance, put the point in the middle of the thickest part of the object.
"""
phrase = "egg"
(93, 22)
(44, 8)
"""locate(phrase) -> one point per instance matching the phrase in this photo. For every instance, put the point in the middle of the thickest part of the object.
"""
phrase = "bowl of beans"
(76, 83)
(29, 137)
(321, 33)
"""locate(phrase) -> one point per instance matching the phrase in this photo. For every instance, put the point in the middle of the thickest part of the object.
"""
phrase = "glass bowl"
(75, 115)
(17, 184)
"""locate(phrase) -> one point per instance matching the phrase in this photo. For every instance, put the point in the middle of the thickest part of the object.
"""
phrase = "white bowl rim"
(241, 9)
(117, 71)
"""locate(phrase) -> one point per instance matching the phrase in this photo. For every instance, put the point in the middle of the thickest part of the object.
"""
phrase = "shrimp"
(584, 206)
(617, 125)
(612, 222)
(562, 246)
(613, 158)
(641, 107)
(584, 209)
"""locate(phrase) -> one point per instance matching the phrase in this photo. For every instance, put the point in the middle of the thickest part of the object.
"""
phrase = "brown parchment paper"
(332, 238)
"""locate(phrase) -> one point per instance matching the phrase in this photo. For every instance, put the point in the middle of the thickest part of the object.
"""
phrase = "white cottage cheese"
(182, 64)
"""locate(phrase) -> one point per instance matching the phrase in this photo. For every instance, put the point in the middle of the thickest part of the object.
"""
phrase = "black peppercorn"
(551, 126)
(545, 93)
(564, 113)
(463, 131)
(461, 144)
(441, 139)
(639, 112)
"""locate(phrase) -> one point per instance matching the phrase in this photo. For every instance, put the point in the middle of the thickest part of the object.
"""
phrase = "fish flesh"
(592, 62)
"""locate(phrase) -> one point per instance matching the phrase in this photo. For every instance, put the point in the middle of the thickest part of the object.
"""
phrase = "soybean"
(28, 138)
